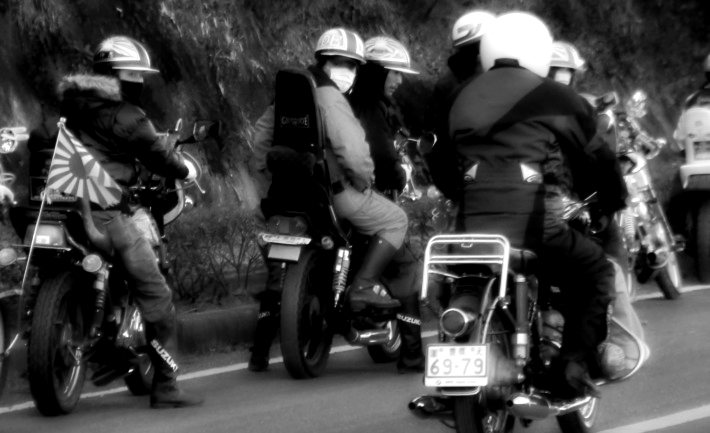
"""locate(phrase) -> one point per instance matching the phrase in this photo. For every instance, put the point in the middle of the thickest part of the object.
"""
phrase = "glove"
(191, 171)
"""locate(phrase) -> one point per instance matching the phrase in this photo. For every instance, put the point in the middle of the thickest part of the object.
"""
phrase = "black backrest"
(297, 118)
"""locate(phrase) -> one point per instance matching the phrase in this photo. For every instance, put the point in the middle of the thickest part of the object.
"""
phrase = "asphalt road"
(669, 394)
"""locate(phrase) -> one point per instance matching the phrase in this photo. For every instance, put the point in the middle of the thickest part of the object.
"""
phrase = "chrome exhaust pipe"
(535, 406)
(368, 338)
(425, 406)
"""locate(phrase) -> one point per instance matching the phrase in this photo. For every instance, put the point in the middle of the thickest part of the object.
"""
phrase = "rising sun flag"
(74, 171)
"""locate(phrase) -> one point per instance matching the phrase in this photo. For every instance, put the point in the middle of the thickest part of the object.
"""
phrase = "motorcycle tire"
(58, 326)
(140, 380)
(702, 243)
(388, 352)
(306, 297)
(580, 421)
(669, 278)
(4, 342)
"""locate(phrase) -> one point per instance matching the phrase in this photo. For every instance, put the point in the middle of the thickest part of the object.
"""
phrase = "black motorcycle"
(79, 313)
(317, 252)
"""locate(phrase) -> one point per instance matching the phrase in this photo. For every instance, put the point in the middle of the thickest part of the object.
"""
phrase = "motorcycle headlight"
(8, 256)
(92, 263)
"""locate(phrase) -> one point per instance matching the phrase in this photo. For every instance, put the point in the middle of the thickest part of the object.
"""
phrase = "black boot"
(266, 327)
(161, 337)
(366, 289)
(411, 357)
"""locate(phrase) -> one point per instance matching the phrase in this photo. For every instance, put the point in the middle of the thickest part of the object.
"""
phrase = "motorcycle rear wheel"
(580, 421)
(305, 336)
(702, 242)
(4, 342)
(388, 352)
(55, 366)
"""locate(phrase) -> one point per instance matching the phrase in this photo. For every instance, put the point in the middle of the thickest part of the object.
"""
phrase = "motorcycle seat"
(522, 261)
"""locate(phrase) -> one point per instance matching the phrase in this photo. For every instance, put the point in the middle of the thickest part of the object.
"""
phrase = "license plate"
(289, 253)
(456, 365)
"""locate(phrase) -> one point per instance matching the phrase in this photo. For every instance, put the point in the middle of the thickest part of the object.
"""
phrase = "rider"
(701, 97)
(464, 65)
(515, 139)
(377, 80)
(103, 111)
(338, 54)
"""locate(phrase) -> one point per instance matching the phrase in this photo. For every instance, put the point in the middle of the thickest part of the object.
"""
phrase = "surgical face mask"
(343, 77)
(563, 76)
(132, 92)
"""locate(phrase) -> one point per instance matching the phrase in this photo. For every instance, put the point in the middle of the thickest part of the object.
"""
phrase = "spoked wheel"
(55, 352)
(4, 342)
(580, 421)
(486, 412)
(388, 352)
(306, 298)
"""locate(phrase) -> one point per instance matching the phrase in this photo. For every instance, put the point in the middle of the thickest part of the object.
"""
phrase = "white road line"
(663, 422)
(658, 295)
(193, 375)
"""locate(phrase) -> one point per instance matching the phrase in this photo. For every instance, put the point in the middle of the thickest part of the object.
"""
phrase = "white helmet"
(471, 27)
(388, 53)
(565, 55)
(518, 36)
(341, 42)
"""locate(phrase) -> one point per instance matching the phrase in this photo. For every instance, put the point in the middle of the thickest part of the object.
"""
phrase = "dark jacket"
(116, 132)
(376, 114)
(515, 140)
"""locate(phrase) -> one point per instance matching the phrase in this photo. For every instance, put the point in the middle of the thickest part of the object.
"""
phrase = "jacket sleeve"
(347, 140)
(153, 150)
(389, 173)
(263, 140)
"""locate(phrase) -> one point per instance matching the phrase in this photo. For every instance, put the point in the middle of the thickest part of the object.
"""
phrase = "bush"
(213, 253)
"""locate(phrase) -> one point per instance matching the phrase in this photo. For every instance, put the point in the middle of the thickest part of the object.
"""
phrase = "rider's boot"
(365, 288)
(162, 344)
(267, 325)
(411, 357)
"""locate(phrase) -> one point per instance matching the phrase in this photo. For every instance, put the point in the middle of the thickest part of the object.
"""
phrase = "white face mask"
(343, 77)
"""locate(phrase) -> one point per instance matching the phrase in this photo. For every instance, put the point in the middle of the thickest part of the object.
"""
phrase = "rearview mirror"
(636, 105)
(426, 143)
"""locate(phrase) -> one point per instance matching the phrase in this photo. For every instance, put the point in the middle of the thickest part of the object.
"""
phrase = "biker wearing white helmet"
(516, 139)
(387, 60)
(566, 61)
(701, 97)
(102, 111)
(339, 52)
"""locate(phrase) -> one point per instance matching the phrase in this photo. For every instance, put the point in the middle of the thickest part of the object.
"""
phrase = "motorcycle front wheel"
(305, 336)
(55, 365)
(580, 421)
(669, 278)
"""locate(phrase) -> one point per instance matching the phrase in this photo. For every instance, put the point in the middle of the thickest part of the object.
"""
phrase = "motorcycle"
(9, 141)
(79, 312)
(316, 251)
(649, 240)
(694, 135)
(500, 335)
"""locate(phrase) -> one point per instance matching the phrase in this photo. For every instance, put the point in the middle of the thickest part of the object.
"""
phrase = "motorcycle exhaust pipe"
(368, 338)
(425, 406)
(535, 406)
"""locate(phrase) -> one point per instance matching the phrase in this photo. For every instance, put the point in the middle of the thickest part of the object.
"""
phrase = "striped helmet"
(565, 55)
(341, 42)
(388, 53)
(120, 52)
(471, 27)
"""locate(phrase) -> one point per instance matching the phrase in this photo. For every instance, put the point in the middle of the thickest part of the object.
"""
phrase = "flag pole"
(43, 195)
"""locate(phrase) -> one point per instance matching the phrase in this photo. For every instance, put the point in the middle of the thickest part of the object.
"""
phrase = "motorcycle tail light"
(327, 242)
(456, 322)
(292, 226)
(92, 263)
(8, 256)
(47, 235)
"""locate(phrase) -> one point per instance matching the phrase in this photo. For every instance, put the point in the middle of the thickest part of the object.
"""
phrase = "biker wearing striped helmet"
(565, 63)
(342, 51)
(126, 59)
